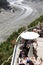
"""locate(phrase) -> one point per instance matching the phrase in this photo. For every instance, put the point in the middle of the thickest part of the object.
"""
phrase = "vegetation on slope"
(6, 48)
(35, 22)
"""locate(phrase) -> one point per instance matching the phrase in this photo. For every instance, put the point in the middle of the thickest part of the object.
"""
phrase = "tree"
(4, 3)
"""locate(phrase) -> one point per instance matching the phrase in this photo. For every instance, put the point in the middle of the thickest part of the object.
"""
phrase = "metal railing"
(13, 56)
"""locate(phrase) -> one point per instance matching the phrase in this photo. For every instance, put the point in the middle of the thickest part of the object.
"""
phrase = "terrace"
(26, 53)
(37, 60)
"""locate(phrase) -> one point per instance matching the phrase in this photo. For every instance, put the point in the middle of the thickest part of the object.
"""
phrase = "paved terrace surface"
(40, 47)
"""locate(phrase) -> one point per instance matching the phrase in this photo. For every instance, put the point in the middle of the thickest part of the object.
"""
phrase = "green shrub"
(14, 35)
(35, 22)
(8, 63)
(20, 30)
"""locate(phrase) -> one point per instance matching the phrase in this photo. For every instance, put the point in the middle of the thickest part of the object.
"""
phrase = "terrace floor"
(40, 47)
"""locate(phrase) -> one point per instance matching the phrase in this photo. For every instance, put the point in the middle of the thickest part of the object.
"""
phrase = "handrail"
(13, 56)
(31, 28)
